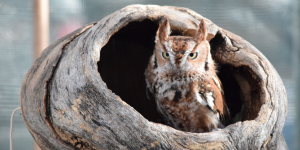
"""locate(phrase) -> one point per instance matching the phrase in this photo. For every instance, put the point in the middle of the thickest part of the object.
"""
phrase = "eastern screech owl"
(182, 78)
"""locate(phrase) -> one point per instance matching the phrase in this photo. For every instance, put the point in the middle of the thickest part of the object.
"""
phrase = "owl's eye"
(193, 55)
(165, 55)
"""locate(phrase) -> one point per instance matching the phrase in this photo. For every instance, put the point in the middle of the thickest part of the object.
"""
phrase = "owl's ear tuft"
(202, 33)
(163, 31)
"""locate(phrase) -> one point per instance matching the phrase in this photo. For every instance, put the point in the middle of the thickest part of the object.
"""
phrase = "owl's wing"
(220, 105)
(214, 95)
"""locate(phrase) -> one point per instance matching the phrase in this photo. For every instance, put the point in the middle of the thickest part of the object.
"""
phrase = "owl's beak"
(178, 59)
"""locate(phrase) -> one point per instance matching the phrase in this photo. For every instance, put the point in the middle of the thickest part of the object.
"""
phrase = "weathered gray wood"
(66, 104)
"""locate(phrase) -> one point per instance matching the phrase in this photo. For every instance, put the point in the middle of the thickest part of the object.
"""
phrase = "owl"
(181, 76)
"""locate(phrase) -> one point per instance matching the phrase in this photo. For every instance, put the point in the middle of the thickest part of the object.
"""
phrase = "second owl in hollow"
(181, 76)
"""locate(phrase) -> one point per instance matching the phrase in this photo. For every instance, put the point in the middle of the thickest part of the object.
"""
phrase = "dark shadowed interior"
(241, 85)
(122, 64)
(124, 58)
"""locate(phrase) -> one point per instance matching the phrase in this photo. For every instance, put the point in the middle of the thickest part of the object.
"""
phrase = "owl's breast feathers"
(194, 106)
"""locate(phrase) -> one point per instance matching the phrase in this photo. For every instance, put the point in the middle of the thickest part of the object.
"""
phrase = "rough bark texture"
(66, 103)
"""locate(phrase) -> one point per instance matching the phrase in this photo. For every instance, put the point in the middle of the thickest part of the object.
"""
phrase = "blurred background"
(272, 26)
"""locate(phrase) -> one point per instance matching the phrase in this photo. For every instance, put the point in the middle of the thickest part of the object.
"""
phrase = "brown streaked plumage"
(182, 78)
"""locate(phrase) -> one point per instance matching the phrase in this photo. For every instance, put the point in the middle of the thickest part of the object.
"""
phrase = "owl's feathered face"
(182, 55)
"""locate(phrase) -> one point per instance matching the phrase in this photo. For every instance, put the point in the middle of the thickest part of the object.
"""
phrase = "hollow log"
(87, 90)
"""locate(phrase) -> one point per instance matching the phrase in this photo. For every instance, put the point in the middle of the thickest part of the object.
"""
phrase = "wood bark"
(72, 99)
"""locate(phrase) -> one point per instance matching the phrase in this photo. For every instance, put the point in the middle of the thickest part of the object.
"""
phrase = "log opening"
(125, 57)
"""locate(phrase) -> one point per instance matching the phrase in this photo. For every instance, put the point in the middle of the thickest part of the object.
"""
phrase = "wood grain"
(66, 103)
